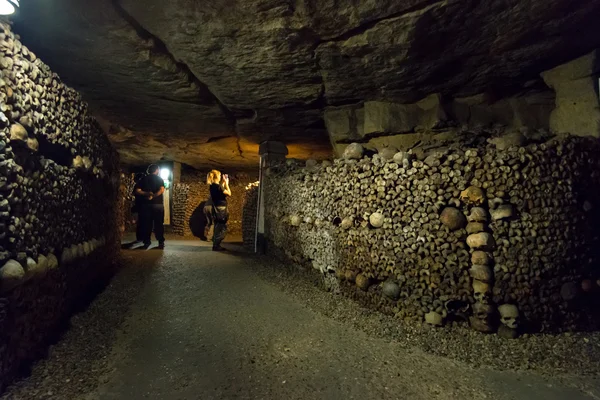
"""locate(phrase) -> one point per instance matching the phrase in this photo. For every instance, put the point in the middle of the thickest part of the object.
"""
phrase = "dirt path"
(203, 325)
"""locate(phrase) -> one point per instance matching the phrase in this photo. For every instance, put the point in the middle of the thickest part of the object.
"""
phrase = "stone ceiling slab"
(183, 78)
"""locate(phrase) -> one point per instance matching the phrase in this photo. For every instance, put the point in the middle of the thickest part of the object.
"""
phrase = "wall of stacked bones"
(127, 201)
(58, 203)
(501, 239)
(249, 209)
(192, 192)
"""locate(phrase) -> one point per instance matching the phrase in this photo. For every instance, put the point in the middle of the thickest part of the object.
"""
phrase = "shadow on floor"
(198, 222)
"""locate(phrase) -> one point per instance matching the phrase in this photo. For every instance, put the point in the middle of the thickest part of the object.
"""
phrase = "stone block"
(577, 108)
(382, 117)
(532, 110)
(432, 111)
(337, 121)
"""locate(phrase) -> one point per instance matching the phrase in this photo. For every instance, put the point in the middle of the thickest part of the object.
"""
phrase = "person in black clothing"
(152, 211)
(208, 216)
(219, 191)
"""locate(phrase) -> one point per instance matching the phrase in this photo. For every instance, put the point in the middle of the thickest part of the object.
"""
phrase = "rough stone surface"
(205, 83)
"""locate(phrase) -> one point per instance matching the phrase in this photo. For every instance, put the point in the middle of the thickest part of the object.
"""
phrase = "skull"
(353, 151)
(509, 315)
(74, 252)
(80, 251)
(481, 272)
(347, 223)
(52, 261)
(311, 163)
(480, 257)
(86, 248)
(376, 219)
(387, 153)
(481, 291)
(478, 214)
(472, 196)
(66, 256)
(453, 218)
(481, 240)
(482, 311)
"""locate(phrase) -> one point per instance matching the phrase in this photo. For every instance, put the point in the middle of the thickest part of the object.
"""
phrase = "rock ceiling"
(203, 82)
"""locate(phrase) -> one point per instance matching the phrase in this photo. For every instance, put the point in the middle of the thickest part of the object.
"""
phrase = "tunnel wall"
(59, 188)
(467, 233)
(193, 191)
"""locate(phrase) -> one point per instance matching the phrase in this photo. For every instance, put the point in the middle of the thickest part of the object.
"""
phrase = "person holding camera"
(219, 191)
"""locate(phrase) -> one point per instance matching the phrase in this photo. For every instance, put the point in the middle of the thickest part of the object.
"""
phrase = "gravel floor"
(188, 323)
(569, 353)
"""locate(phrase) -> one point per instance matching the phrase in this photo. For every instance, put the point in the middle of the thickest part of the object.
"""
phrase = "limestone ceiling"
(203, 82)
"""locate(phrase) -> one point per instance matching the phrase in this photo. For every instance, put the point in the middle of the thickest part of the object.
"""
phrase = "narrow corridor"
(193, 324)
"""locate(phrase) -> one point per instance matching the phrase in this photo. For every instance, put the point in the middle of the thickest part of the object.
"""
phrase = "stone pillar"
(176, 172)
(270, 152)
(577, 109)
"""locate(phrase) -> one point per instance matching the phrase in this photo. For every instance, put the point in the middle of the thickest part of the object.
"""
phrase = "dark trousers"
(138, 228)
(208, 215)
(220, 217)
(152, 217)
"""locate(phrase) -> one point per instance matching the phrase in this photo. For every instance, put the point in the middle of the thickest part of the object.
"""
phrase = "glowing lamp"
(8, 7)
(165, 174)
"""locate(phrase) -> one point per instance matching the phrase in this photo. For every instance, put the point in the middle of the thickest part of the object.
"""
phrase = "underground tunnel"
(411, 188)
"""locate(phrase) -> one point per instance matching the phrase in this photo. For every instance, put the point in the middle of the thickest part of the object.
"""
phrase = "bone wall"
(498, 235)
(127, 201)
(59, 207)
(249, 215)
(179, 207)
